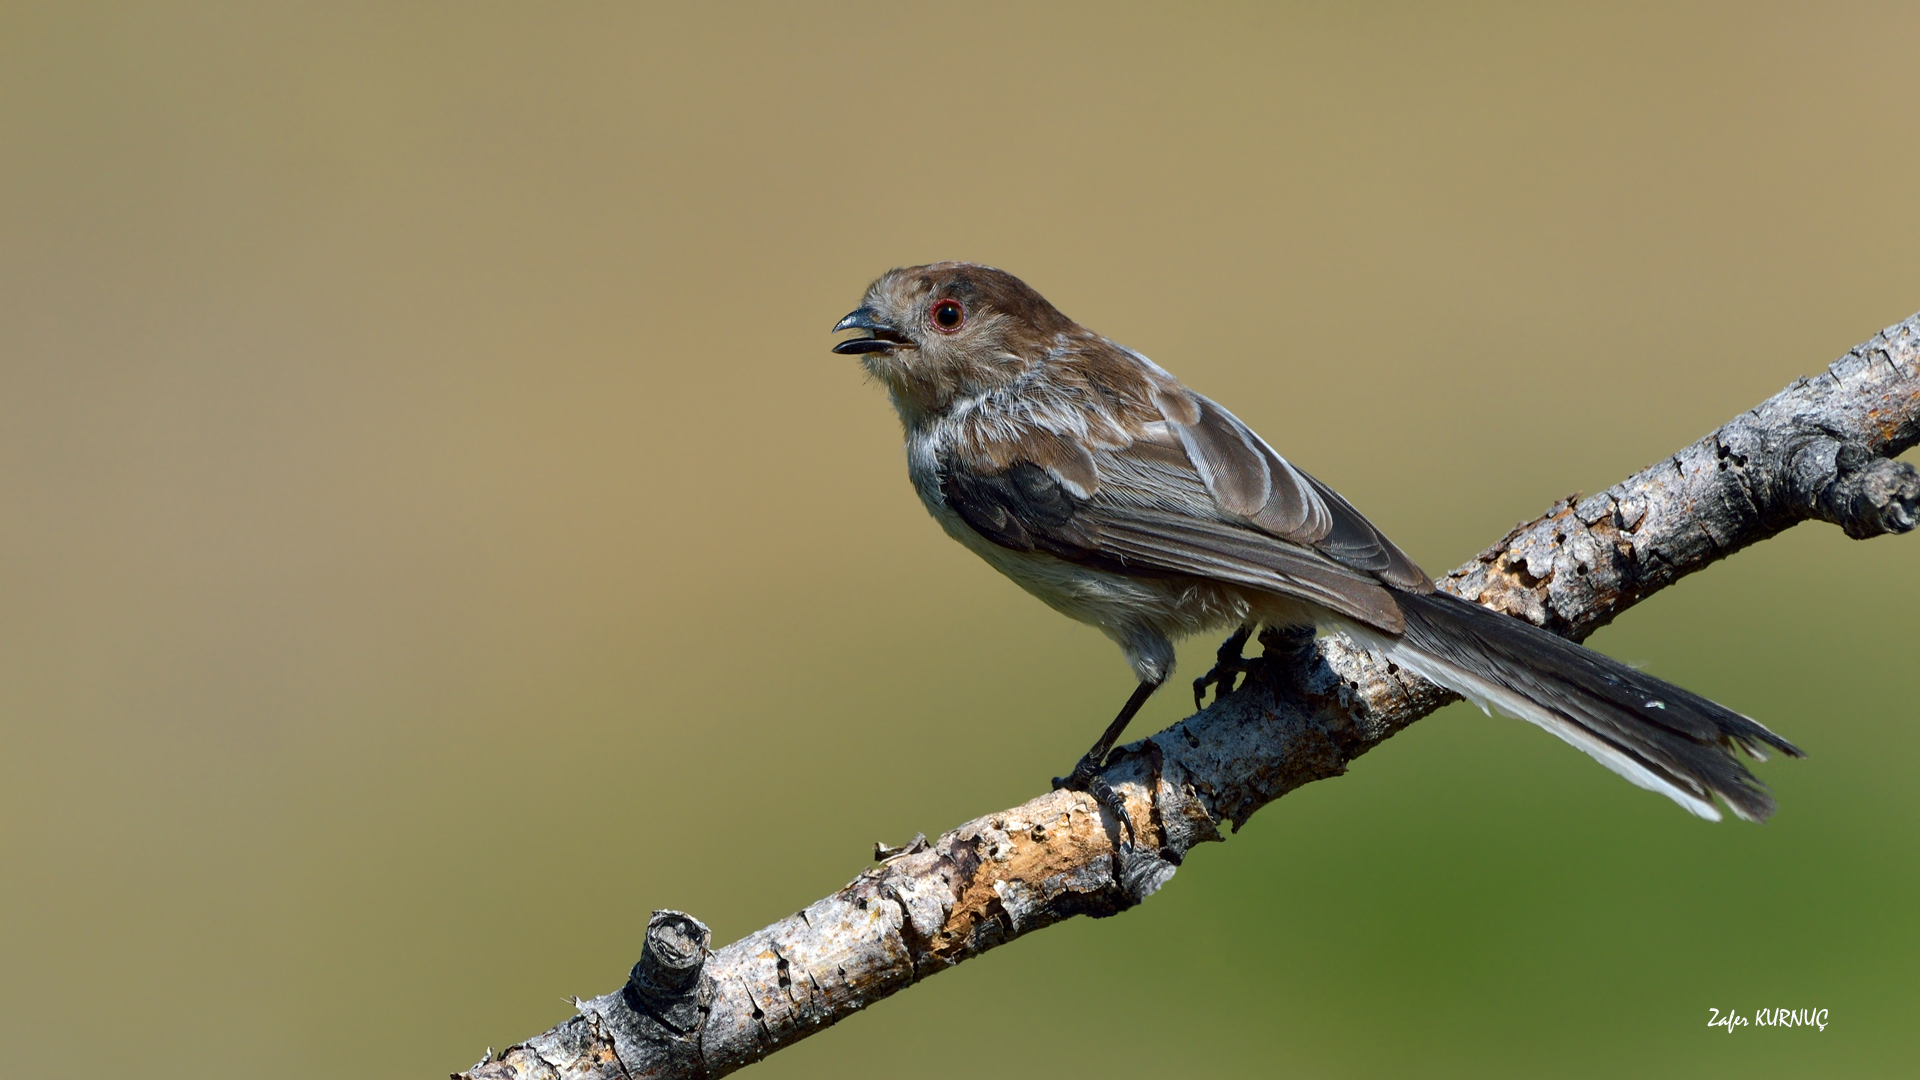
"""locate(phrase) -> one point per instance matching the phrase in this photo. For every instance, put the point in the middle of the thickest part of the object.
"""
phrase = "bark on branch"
(1821, 449)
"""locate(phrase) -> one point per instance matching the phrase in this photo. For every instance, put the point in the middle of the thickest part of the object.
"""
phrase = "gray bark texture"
(1822, 449)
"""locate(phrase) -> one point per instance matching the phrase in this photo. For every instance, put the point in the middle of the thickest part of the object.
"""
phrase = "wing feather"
(1250, 480)
(1195, 493)
(1221, 551)
(1125, 529)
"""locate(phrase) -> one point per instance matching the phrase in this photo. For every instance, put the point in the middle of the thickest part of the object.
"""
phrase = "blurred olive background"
(436, 533)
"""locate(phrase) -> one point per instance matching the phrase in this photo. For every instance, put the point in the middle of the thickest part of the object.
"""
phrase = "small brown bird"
(1089, 475)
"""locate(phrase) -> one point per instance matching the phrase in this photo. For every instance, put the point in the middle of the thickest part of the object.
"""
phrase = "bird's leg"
(1286, 656)
(1086, 775)
(1228, 665)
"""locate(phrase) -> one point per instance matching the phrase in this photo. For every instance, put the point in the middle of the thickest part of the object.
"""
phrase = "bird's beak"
(882, 336)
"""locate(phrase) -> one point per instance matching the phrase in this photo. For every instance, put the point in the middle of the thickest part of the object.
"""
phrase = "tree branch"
(1822, 449)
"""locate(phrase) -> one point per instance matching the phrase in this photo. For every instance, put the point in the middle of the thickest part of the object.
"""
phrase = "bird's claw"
(1228, 665)
(1086, 777)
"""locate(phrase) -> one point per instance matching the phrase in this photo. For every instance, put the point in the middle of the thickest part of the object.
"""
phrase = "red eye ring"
(947, 316)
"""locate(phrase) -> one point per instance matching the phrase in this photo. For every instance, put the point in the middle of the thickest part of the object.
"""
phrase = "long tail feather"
(1654, 733)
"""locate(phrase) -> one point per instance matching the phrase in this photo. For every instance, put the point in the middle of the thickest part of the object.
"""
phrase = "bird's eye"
(947, 315)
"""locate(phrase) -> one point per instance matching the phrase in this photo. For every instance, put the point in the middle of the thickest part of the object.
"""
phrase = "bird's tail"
(1655, 734)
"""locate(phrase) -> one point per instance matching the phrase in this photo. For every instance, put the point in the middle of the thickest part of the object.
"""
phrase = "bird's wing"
(1251, 482)
(1149, 512)
(1191, 492)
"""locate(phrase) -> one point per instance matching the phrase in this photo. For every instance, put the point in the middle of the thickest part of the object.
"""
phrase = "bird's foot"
(1228, 666)
(1086, 777)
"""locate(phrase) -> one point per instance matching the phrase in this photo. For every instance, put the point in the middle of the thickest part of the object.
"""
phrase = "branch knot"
(1870, 495)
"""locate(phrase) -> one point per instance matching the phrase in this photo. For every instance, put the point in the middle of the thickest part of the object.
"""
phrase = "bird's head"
(949, 330)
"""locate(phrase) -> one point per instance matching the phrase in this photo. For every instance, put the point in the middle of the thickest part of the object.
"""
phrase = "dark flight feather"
(1027, 509)
(1352, 540)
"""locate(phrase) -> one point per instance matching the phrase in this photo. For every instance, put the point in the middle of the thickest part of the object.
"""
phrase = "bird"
(1124, 499)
